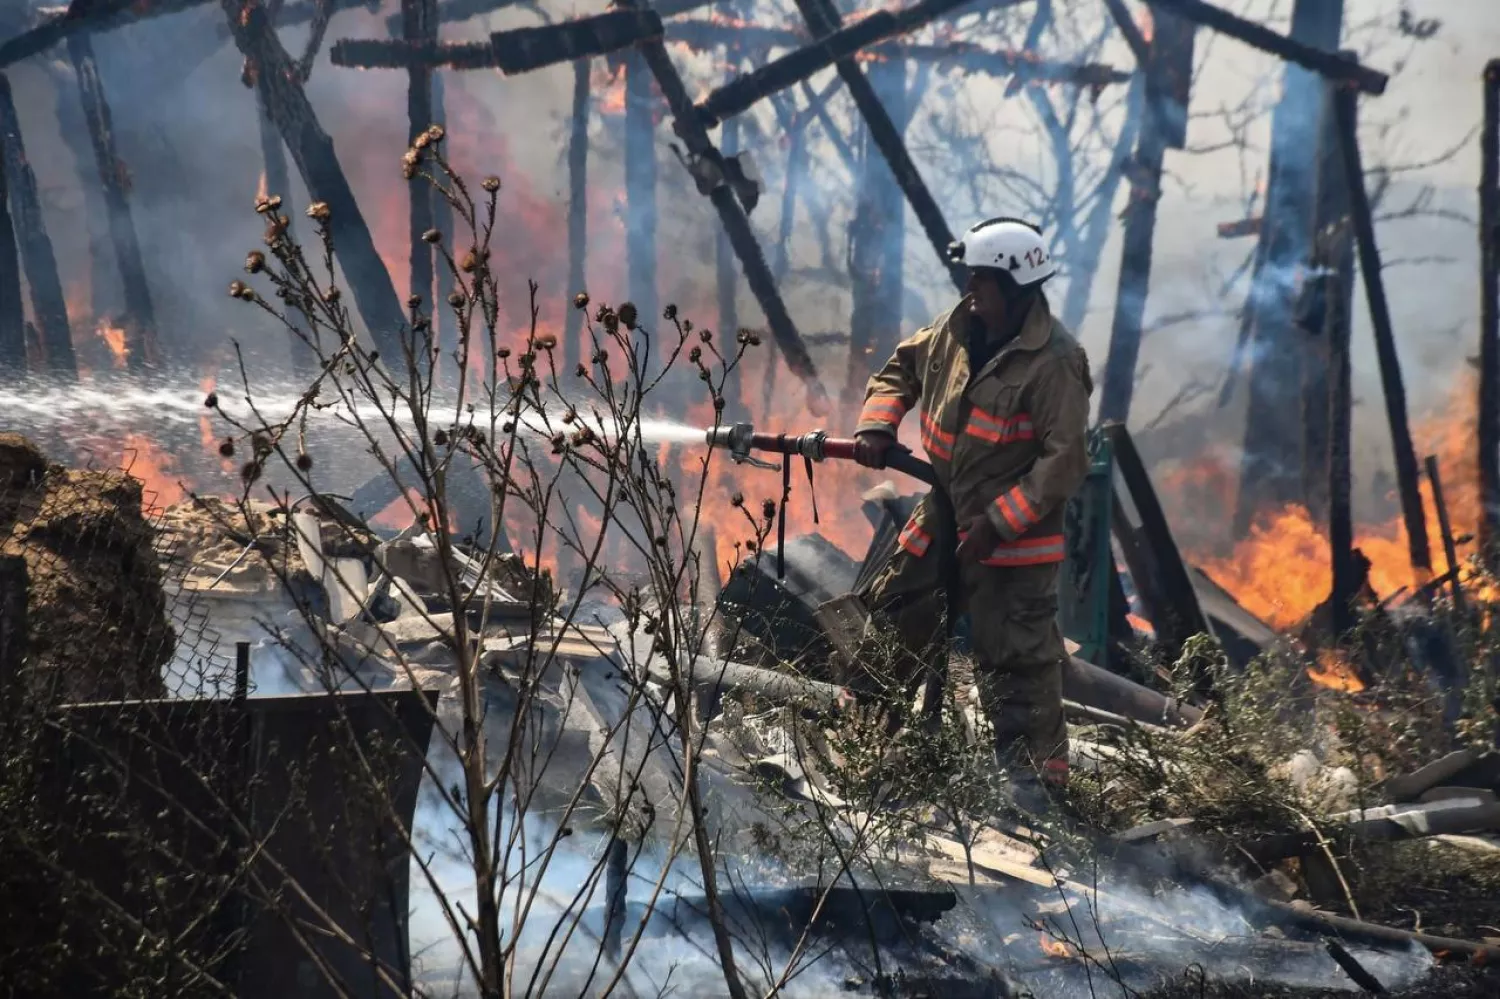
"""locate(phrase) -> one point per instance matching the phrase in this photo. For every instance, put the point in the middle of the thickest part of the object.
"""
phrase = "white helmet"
(1008, 245)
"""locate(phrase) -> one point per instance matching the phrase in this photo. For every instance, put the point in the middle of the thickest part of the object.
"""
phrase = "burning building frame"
(419, 581)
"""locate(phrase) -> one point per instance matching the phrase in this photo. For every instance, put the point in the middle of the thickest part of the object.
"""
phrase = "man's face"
(986, 301)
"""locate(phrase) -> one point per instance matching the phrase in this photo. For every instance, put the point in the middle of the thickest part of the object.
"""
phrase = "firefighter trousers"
(1017, 649)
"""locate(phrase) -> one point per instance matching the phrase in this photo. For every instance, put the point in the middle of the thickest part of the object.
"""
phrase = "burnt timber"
(140, 316)
(1281, 355)
(12, 309)
(1168, 71)
(280, 87)
(48, 304)
(1346, 107)
(578, 209)
(419, 24)
(1331, 65)
(1489, 319)
(822, 20)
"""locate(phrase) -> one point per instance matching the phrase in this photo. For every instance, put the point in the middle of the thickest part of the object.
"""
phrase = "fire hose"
(740, 440)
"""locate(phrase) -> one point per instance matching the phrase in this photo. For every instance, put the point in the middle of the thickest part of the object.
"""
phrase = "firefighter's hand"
(870, 447)
(980, 542)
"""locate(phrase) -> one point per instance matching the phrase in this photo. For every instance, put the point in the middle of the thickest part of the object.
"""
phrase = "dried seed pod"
(503, 353)
(547, 341)
(629, 314)
(706, 335)
(695, 355)
(470, 263)
(237, 289)
(255, 262)
(432, 236)
(768, 509)
(320, 211)
(738, 499)
(456, 299)
(580, 372)
(440, 438)
(581, 301)
(304, 462)
(669, 313)
(211, 401)
(435, 133)
(414, 302)
(332, 295)
(490, 184)
(226, 448)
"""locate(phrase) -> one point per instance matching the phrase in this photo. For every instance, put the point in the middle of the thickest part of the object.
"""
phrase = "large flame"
(114, 338)
(1282, 571)
(146, 461)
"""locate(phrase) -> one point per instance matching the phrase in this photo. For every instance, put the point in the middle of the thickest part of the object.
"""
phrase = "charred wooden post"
(14, 636)
(1331, 65)
(728, 285)
(640, 189)
(1489, 320)
(1272, 454)
(12, 311)
(312, 150)
(1330, 286)
(876, 244)
(823, 19)
(419, 26)
(1346, 576)
(522, 50)
(445, 324)
(1450, 547)
(1164, 123)
(48, 304)
(707, 165)
(140, 316)
(578, 211)
(1346, 104)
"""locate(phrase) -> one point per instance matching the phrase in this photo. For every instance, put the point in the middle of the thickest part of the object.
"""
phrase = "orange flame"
(156, 471)
(1054, 948)
(1147, 23)
(114, 338)
(1336, 671)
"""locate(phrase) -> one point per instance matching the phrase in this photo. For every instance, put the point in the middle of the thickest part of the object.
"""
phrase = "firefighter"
(1001, 392)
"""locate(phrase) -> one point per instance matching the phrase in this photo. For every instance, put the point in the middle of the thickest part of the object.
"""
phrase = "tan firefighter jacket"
(1009, 444)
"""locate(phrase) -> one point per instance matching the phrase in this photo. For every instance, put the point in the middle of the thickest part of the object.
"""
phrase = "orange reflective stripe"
(1029, 551)
(937, 443)
(1023, 505)
(1011, 514)
(936, 429)
(914, 539)
(998, 430)
(883, 409)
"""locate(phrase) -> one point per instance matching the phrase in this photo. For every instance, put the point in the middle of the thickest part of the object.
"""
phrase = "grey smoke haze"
(188, 132)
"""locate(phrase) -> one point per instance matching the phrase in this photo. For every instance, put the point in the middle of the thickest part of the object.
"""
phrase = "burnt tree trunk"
(139, 320)
(578, 213)
(724, 262)
(876, 243)
(12, 311)
(1164, 123)
(278, 83)
(419, 26)
(1346, 103)
(1271, 469)
(640, 189)
(1489, 320)
(49, 306)
(445, 324)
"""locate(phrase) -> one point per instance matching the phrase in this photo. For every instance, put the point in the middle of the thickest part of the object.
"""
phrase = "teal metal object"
(1083, 586)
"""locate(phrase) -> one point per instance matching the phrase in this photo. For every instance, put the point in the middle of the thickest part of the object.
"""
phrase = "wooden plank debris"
(1489, 320)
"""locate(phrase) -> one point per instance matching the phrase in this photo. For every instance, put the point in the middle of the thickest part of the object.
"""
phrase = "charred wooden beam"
(740, 94)
(1130, 31)
(1445, 526)
(1331, 65)
(140, 315)
(12, 310)
(58, 27)
(1171, 58)
(1489, 320)
(444, 320)
(48, 304)
(1273, 437)
(450, 11)
(701, 152)
(1336, 330)
(382, 53)
(578, 211)
(1241, 228)
(419, 26)
(823, 19)
(1346, 105)
(312, 150)
(525, 49)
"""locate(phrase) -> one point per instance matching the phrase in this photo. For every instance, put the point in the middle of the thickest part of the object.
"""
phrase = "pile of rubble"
(97, 624)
